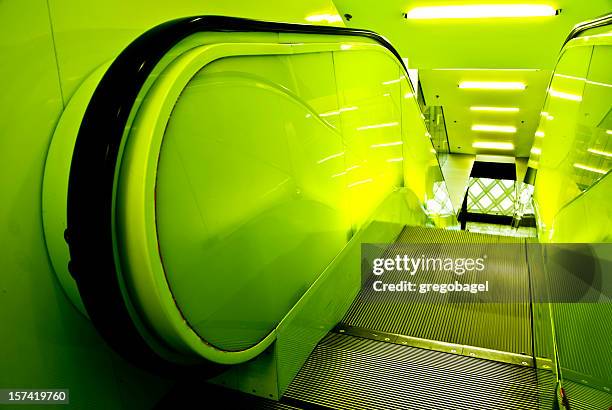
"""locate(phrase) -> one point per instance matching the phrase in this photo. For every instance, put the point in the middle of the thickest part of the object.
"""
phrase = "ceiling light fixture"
(539, 134)
(492, 85)
(481, 11)
(495, 109)
(494, 128)
(493, 145)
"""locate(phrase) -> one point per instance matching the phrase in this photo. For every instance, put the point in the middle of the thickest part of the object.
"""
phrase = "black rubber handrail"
(587, 25)
(92, 173)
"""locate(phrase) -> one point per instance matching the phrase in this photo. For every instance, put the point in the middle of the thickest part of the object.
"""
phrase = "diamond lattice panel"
(491, 196)
(440, 204)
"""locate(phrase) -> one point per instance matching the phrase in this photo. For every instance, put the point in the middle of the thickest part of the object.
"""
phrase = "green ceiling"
(529, 44)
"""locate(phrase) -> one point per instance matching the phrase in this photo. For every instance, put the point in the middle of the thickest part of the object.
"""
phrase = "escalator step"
(582, 397)
(346, 372)
(498, 326)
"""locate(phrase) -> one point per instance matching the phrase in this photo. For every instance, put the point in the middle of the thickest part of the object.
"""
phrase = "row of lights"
(486, 11)
(493, 85)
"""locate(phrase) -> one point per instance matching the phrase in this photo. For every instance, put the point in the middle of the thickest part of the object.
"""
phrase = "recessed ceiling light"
(494, 128)
(495, 109)
(481, 11)
(492, 85)
(493, 145)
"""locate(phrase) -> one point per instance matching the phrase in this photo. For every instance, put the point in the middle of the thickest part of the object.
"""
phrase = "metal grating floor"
(499, 326)
(346, 372)
(582, 397)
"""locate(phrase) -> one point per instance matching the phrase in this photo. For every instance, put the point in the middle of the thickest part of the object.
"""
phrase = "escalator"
(233, 262)
(412, 354)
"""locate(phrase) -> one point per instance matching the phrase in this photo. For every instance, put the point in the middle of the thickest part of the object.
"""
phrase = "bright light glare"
(369, 127)
(397, 80)
(565, 96)
(598, 152)
(571, 77)
(494, 128)
(495, 109)
(389, 144)
(492, 85)
(547, 115)
(329, 18)
(344, 109)
(536, 151)
(330, 157)
(587, 168)
(539, 134)
(481, 11)
(363, 181)
(493, 145)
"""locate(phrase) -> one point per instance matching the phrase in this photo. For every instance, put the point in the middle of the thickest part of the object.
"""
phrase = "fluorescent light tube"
(481, 11)
(495, 109)
(492, 85)
(493, 145)
(494, 128)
